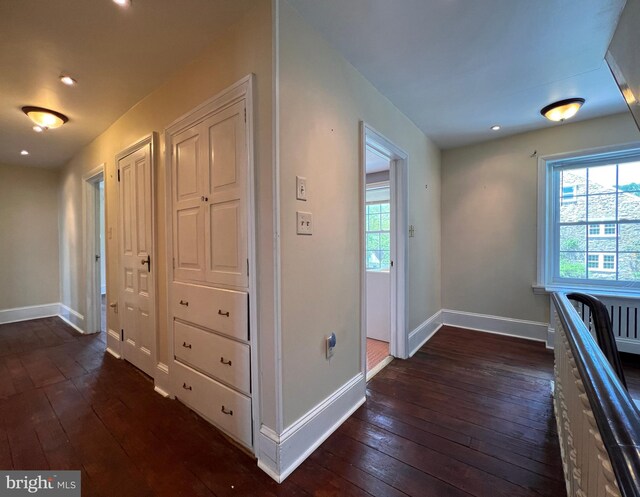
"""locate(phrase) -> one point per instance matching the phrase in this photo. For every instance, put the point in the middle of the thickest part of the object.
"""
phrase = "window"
(608, 229)
(378, 227)
(601, 262)
(591, 216)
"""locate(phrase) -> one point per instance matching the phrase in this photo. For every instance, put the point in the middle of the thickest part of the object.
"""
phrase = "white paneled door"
(137, 267)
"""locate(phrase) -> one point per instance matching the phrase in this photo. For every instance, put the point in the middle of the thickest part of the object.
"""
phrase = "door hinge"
(174, 263)
(118, 175)
(391, 263)
(247, 267)
(122, 335)
(245, 115)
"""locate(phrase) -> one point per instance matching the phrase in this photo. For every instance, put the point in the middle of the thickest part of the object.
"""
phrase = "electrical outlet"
(301, 188)
(304, 221)
(330, 344)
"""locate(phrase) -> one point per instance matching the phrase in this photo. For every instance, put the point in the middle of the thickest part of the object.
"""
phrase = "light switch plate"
(301, 188)
(304, 221)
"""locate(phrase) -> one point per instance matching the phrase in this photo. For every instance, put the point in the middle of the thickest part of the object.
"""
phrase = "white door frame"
(398, 160)
(114, 341)
(91, 222)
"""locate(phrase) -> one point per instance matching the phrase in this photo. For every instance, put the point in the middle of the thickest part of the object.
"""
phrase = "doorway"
(384, 251)
(95, 258)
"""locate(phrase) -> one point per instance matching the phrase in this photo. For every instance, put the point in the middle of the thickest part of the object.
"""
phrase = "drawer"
(225, 408)
(225, 311)
(226, 359)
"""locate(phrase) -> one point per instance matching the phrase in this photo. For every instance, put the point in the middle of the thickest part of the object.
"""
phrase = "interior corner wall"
(489, 215)
(29, 269)
(322, 99)
(244, 48)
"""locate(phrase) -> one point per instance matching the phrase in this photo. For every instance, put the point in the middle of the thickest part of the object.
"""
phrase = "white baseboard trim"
(113, 353)
(531, 330)
(551, 337)
(628, 345)
(162, 381)
(424, 331)
(72, 318)
(27, 313)
(279, 456)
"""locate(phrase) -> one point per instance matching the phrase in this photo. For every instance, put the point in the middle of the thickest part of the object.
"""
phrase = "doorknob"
(97, 257)
(147, 261)
(114, 306)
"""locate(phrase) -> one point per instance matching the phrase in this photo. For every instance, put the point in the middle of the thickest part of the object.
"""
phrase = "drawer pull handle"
(184, 385)
(184, 302)
(186, 345)
(229, 412)
(223, 313)
(228, 363)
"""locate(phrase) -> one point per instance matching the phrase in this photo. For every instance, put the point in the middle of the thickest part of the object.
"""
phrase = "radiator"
(624, 314)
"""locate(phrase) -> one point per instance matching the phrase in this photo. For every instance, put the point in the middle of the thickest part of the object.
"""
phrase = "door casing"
(91, 223)
(398, 159)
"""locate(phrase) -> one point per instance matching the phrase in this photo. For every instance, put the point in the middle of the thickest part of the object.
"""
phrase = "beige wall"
(29, 272)
(243, 49)
(322, 101)
(489, 219)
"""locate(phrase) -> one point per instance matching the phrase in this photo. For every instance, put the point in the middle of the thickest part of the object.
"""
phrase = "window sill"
(597, 292)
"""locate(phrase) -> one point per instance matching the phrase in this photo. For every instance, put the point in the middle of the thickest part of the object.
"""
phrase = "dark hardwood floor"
(469, 414)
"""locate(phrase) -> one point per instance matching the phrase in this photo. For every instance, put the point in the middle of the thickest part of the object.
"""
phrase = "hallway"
(470, 414)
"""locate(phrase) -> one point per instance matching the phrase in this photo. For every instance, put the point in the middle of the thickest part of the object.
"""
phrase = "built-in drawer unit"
(225, 311)
(223, 358)
(222, 406)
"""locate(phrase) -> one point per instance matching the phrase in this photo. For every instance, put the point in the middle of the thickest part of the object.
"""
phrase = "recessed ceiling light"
(38, 129)
(495, 127)
(24, 152)
(45, 118)
(563, 109)
(67, 80)
(123, 3)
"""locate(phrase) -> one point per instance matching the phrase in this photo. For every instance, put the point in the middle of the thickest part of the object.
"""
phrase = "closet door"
(137, 288)
(189, 159)
(225, 228)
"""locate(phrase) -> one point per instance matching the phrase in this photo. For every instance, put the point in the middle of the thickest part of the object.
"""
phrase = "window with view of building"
(377, 228)
(592, 233)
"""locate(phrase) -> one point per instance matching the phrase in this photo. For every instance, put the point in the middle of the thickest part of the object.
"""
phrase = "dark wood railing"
(598, 423)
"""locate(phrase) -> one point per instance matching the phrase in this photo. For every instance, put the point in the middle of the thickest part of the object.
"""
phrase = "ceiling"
(457, 67)
(99, 44)
(374, 162)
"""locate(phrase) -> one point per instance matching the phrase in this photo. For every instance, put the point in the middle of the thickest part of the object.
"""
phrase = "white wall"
(322, 101)
(29, 271)
(244, 48)
(489, 215)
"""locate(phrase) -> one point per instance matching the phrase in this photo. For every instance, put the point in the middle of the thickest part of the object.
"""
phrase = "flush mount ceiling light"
(67, 80)
(24, 152)
(45, 118)
(123, 3)
(563, 109)
(495, 127)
